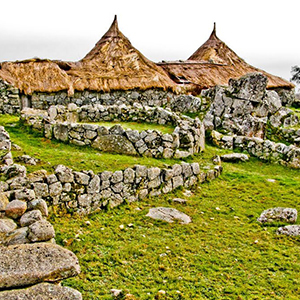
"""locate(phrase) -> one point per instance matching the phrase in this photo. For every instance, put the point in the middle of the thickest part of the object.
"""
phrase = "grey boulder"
(291, 230)
(28, 264)
(278, 214)
(42, 291)
(168, 214)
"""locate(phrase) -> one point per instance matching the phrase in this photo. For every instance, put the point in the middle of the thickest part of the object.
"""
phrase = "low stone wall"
(262, 149)
(290, 135)
(29, 256)
(10, 102)
(187, 138)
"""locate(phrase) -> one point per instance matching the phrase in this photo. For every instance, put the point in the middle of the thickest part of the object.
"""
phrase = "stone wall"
(29, 256)
(246, 108)
(260, 148)
(186, 139)
(10, 102)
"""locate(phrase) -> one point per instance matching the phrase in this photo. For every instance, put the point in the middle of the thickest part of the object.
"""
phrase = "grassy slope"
(52, 153)
(222, 254)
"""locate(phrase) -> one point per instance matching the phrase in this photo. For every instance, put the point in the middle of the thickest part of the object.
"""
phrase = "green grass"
(139, 126)
(52, 153)
(222, 254)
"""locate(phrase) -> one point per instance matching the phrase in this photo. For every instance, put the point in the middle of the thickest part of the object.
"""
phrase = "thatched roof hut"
(214, 63)
(114, 64)
(36, 75)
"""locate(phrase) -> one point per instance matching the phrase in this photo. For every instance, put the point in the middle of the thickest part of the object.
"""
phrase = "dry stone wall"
(246, 108)
(187, 138)
(29, 256)
(260, 148)
(10, 102)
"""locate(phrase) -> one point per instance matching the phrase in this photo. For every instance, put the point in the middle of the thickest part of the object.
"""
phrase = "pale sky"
(265, 33)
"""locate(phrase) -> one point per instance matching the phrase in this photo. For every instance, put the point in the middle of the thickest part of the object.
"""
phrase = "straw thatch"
(36, 75)
(114, 64)
(214, 63)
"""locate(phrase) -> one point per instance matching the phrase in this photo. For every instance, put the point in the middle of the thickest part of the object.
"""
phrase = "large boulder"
(278, 214)
(42, 291)
(114, 143)
(169, 215)
(28, 264)
(291, 230)
(249, 87)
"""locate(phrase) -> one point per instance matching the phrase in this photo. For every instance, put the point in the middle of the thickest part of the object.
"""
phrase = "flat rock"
(3, 201)
(7, 225)
(15, 209)
(168, 214)
(114, 143)
(42, 291)
(180, 200)
(41, 231)
(28, 264)
(234, 157)
(291, 230)
(279, 214)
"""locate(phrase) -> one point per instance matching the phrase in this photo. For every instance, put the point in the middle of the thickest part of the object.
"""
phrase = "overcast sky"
(266, 33)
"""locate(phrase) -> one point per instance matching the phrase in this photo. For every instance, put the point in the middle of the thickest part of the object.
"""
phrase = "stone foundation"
(187, 138)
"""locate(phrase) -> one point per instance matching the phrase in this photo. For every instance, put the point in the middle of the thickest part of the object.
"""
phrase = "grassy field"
(223, 254)
(52, 153)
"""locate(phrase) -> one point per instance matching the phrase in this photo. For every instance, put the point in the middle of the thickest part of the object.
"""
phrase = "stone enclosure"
(58, 122)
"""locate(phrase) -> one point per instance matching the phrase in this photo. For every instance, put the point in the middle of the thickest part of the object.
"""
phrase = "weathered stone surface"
(279, 214)
(15, 170)
(42, 291)
(129, 175)
(114, 143)
(41, 231)
(116, 177)
(7, 225)
(30, 217)
(234, 157)
(29, 264)
(81, 178)
(39, 204)
(16, 237)
(291, 230)
(64, 174)
(179, 200)
(55, 189)
(3, 201)
(169, 215)
(15, 209)
(94, 185)
(25, 194)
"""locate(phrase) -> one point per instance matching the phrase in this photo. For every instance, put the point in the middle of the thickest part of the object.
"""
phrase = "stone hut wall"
(187, 139)
(262, 149)
(29, 256)
(10, 101)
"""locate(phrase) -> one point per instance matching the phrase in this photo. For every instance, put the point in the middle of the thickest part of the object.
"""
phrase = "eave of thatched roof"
(114, 64)
(36, 75)
(216, 51)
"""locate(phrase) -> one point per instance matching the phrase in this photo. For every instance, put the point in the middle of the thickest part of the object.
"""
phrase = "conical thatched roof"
(214, 63)
(114, 64)
(36, 75)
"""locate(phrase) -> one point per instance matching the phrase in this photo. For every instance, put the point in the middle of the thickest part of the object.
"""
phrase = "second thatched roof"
(214, 63)
(114, 64)
(36, 75)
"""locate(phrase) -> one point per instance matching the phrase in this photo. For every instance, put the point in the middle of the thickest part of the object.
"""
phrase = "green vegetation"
(52, 153)
(139, 126)
(223, 254)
